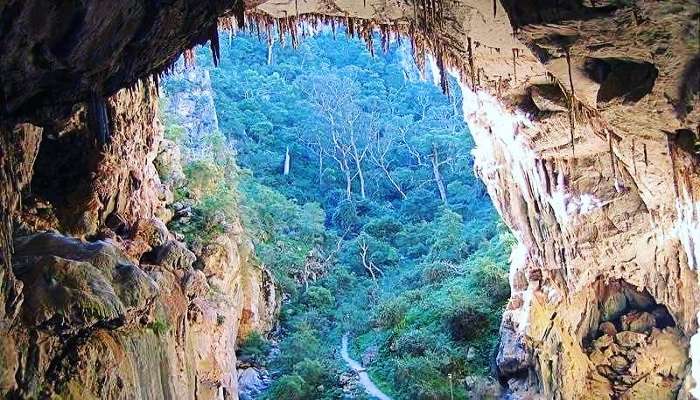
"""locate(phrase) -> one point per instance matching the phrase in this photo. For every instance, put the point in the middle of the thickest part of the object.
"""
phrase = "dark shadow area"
(689, 87)
(523, 13)
(628, 79)
(62, 168)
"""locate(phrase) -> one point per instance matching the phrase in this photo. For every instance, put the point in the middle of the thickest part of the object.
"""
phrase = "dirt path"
(365, 381)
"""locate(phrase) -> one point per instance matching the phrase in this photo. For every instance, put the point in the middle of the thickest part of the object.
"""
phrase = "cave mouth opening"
(622, 307)
(62, 171)
(364, 148)
(633, 342)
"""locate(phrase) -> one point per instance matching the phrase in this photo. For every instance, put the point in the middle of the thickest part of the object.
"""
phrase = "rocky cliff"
(585, 114)
(103, 301)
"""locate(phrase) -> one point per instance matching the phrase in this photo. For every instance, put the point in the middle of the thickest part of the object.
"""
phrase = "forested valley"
(353, 177)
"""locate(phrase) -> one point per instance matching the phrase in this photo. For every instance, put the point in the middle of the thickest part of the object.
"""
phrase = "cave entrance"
(361, 197)
(633, 343)
(60, 182)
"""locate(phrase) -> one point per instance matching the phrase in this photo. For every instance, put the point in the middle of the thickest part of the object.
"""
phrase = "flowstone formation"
(585, 115)
(105, 301)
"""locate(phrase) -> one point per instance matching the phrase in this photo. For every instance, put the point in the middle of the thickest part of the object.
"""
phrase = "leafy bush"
(391, 313)
(467, 321)
(289, 387)
(159, 326)
(253, 348)
(319, 297)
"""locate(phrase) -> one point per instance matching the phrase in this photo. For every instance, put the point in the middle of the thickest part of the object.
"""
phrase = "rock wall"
(101, 300)
(618, 206)
(585, 114)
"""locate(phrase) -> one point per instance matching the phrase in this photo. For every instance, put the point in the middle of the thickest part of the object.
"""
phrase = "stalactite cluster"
(423, 31)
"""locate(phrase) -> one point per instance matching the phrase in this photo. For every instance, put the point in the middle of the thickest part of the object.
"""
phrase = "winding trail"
(367, 383)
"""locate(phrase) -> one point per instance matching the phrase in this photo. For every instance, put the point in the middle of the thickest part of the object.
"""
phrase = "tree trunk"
(358, 165)
(348, 178)
(360, 175)
(287, 162)
(320, 167)
(270, 44)
(438, 176)
(393, 182)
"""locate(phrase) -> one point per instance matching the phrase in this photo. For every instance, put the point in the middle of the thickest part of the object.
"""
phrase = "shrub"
(391, 313)
(436, 271)
(319, 297)
(203, 178)
(289, 387)
(467, 322)
(312, 371)
(493, 280)
(159, 326)
(254, 348)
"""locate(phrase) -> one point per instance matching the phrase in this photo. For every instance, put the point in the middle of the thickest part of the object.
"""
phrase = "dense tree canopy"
(358, 190)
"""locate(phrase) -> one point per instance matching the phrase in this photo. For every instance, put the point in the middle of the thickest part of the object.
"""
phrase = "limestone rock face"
(104, 301)
(585, 117)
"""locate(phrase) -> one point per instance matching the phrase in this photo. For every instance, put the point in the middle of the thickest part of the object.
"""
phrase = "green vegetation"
(373, 225)
(254, 348)
(159, 326)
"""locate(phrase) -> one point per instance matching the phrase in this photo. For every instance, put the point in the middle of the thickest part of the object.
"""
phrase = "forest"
(353, 176)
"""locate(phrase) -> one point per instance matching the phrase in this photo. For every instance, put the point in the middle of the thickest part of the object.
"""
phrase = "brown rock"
(602, 342)
(640, 322)
(175, 255)
(619, 364)
(613, 305)
(628, 339)
(607, 328)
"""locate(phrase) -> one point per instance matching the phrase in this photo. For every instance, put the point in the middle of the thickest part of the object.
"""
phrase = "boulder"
(613, 304)
(152, 231)
(638, 321)
(608, 328)
(175, 255)
(628, 339)
(168, 163)
(249, 381)
(71, 285)
(602, 342)
(194, 284)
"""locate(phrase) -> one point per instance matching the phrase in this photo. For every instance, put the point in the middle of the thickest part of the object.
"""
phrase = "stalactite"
(189, 58)
(471, 61)
(421, 32)
(98, 118)
(444, 82)
(515, 71)
(572, 101)
(351, 26)
(214, 44)
(670, 143)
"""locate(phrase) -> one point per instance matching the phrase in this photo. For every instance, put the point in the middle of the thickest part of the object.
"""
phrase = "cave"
(61, 172)
(628, 343)
(101, 298)
(622, 78)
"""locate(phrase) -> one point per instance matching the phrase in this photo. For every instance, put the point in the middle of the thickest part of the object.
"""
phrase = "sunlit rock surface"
(617, 208)
(105, 302)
